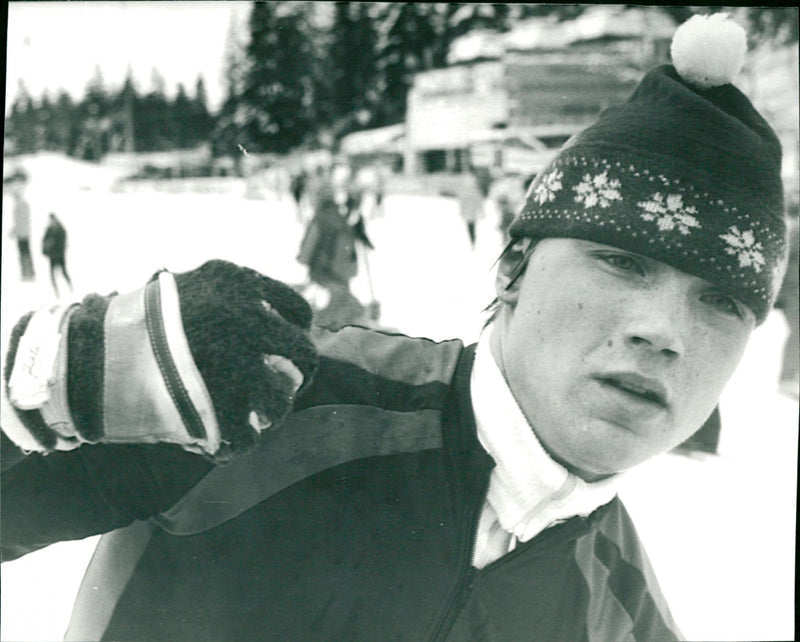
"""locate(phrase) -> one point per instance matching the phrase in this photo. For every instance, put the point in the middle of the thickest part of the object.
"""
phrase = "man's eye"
(724, 303)
(623, 262)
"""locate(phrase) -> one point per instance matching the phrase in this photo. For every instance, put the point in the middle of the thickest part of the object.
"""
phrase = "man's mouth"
(639, 387)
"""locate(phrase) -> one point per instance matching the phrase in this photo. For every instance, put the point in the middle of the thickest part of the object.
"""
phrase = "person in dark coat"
(328, 249)
(373, 486)
(54, 247)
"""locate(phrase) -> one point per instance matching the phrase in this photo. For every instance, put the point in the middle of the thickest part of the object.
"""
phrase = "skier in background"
(470, 203)
(54, 247)
(21, 229)
(328, 248)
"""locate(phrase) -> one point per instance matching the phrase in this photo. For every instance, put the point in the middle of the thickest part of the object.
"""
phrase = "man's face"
(614, 357)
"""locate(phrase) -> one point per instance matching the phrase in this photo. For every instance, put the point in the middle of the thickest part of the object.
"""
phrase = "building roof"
(547, 33)
(382, 139)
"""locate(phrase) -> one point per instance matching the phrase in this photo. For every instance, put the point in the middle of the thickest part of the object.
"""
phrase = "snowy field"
(720, 530)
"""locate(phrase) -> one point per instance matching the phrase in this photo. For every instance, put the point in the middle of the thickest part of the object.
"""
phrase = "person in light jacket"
(21, 228)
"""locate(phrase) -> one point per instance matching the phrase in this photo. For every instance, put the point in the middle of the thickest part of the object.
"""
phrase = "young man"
(398, 488)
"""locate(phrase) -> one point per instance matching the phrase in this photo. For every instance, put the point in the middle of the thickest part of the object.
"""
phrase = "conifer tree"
(200, 119)
(226, 130)
(93, 118)
(20, 123)
(181, 135)
(153, 126)
(407, 44)
(126, 108)
(354, 76)
(62, 123)
(43, 124)
(275, 110)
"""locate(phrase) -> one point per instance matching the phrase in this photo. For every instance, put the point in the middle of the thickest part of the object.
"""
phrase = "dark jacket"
(328, 246)
(353, 521)
(54, 241)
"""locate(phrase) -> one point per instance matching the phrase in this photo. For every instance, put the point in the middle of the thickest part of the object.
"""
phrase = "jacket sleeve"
(87, 491)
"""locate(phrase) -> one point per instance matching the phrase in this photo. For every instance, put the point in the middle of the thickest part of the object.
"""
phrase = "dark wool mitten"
(248, 338)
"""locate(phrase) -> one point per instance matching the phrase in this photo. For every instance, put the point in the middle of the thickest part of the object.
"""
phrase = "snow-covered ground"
(720, 531)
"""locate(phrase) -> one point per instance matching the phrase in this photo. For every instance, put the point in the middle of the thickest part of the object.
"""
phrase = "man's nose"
(659, 323)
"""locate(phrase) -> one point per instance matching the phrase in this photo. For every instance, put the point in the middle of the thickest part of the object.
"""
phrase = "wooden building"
(508, 101)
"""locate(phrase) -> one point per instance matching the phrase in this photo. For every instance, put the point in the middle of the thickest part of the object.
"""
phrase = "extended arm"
(143, 394)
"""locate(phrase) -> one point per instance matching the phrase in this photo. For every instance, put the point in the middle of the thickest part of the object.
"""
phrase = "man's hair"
(513, 259)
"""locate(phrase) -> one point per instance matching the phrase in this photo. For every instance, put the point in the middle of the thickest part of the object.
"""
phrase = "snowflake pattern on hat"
(546, 190)
(669, 213)
(657, 212)
(598, 190)
(744, 246)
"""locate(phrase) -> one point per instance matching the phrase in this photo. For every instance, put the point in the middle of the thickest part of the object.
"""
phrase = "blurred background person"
(380, 189)
(54, 247)
(328, 249)
(369, 187)
(508, 194)
(789, 383)
(21, 229)
(298, 187)
(470, 203)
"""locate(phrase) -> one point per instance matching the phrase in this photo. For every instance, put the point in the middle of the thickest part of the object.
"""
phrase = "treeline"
(104, 121)
(303, 73)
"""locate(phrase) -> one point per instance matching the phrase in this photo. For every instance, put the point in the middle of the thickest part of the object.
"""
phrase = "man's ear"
(510, 267)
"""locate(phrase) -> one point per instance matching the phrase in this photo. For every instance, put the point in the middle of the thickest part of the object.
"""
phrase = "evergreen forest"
(303, 75)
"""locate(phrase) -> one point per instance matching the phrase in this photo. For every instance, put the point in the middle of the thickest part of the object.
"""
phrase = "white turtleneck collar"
(528, 490)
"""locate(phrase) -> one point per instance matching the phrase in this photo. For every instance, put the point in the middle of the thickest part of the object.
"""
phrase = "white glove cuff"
(39, 379)
(152, 390)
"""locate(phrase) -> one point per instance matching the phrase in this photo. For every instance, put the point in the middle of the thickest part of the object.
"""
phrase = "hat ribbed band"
(645, 209)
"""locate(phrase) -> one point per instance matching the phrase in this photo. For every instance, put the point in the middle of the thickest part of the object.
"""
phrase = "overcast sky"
(54, 45)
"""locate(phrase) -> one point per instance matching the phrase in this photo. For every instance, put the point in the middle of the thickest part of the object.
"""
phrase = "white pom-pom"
(709, 51)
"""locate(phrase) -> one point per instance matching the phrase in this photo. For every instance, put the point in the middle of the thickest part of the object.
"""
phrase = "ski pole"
(374, 306)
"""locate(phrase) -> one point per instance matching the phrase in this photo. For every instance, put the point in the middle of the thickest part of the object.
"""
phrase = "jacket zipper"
(464, 585)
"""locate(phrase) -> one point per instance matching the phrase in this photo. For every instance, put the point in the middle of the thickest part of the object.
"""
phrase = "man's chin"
(612, 449)
(589, 467)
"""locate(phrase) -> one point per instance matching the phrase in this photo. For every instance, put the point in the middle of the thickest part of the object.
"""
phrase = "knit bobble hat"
(686, 172)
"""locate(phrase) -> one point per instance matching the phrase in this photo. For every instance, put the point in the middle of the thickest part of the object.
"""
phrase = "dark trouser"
(471, 232)
(25, 259)
(60, 263)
